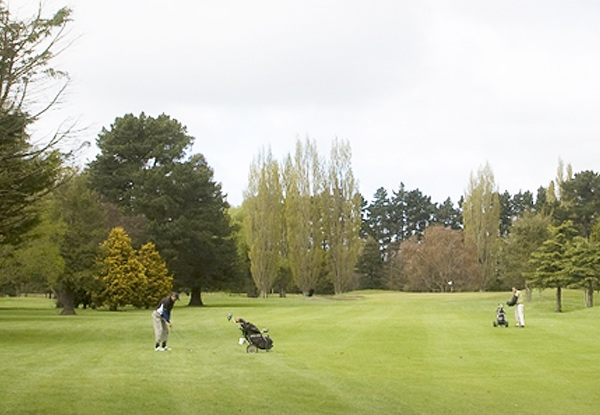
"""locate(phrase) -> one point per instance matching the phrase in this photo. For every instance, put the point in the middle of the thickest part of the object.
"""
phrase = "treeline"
(146, 216)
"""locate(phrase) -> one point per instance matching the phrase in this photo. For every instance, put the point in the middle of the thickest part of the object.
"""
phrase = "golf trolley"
(500, 317)
(252, 336)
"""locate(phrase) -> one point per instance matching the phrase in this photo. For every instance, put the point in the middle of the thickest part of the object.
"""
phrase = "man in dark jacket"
(161, 320)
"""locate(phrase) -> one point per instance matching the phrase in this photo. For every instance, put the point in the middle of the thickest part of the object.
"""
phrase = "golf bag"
(254, 337)
(500, 317)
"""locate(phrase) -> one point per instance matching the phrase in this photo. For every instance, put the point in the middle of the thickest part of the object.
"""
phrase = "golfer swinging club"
(161, 320)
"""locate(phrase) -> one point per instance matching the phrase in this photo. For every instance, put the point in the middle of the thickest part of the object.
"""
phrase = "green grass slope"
(369, 352)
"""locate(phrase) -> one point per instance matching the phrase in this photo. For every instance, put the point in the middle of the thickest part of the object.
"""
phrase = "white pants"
(161, 330)
(519, 317)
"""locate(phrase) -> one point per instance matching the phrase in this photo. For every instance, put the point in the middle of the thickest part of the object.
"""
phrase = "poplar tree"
(481, 217)
(263, 223)
(303, 187)
(342, 218)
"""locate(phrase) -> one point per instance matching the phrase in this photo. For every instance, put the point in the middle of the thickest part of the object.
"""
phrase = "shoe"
(166, 349)
(159, 349)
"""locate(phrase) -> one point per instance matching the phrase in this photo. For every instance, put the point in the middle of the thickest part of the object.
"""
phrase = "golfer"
(161, 320)
(517, 299)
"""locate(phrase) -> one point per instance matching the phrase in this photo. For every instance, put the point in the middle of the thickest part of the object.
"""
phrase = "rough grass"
(369, 352)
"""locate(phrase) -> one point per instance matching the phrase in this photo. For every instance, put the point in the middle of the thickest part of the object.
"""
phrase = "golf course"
(370, 352)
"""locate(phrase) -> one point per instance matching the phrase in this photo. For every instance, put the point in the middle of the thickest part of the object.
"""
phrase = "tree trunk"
(558, 299)
(66, 299)
(528, 294)
(196, 298)
(589, 295)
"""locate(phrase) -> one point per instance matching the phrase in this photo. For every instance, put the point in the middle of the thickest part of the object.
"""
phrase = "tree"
(133, 152)
(123, 276)
(263, 225)
(159, 282)
(377, 218)
(27, 172)
(303, 182)
(144, 169)
(527, 234)
(191, 228)
(33, 264)
(580, 201)
(447, 215)
(442, 261)
(549, 261)
(370, 265)
(583, 266)
(342, 218)
(481, 212)
(78, 208)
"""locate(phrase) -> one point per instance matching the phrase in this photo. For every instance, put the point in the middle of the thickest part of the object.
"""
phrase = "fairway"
(367, 352)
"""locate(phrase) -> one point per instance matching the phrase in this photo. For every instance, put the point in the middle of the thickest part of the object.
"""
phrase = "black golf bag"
(254, 337)
(500, 317)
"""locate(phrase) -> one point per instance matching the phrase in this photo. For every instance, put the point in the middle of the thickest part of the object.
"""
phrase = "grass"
(369, 352)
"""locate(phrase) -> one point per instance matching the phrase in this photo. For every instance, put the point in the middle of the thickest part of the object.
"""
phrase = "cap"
(176, 295)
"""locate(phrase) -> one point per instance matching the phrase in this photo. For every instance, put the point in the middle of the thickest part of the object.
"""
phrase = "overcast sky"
(425, 92)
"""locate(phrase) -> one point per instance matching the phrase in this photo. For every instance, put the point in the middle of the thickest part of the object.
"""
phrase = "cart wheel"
(251, 349)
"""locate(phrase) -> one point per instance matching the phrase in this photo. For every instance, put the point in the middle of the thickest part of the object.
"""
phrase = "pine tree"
(550, 263)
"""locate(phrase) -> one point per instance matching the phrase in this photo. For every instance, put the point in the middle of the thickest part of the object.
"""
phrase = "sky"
(425, 92)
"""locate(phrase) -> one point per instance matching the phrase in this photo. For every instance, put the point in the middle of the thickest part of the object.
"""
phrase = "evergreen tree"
(377, 218)
(580, 201)
(122, 276)
(27, 172)
(370, 265)
(549, 261)
(159, 282)
(144, 169)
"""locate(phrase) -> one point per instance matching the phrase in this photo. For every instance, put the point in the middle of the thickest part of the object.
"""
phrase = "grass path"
(385, 353)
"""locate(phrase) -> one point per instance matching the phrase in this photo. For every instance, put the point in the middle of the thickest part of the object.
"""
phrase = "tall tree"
(27, 171)
(481, 212)
(580, 201)
(144, 169)
(377, 219)
(303, 182)
(342, 218)
(419, 213)
(78, 207)
(549, 261)
(264, 221)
